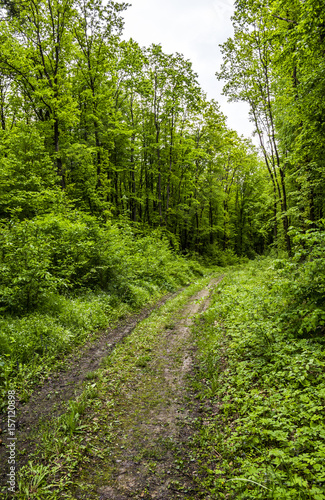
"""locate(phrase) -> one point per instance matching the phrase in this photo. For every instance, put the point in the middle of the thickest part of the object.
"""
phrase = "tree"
(36, 53)
(97, 33)
(247, 69)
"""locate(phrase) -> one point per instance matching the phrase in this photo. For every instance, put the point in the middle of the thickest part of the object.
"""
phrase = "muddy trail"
(49, 399)
(155, 415)
(132, 443)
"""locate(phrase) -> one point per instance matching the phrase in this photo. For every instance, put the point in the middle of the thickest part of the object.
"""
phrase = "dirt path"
(49, 400)
(131, 439)
(145, 458)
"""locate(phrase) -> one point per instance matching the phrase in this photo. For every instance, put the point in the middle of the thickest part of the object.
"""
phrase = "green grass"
(38, 342)
(262, 436)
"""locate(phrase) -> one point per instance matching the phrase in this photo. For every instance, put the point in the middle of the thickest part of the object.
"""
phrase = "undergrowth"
(263, 385)
(66, 275)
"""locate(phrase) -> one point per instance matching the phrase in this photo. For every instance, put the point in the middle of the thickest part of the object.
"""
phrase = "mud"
(49, 399)
(155, 417)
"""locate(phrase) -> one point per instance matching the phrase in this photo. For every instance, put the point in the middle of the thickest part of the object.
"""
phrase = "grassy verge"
(263, 392)
(85, 432)
(41, 340)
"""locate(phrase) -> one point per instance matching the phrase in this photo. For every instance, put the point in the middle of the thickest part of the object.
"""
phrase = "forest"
(121, 182)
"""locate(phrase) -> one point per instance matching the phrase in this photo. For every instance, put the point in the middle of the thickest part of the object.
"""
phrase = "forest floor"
(124, 432)
(49, 399)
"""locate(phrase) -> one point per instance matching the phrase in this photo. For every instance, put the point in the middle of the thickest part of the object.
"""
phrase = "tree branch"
(285, 19)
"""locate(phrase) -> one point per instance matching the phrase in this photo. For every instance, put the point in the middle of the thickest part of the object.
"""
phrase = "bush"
(72, 252)
(215, 256)
(25, 276)
(302, 281)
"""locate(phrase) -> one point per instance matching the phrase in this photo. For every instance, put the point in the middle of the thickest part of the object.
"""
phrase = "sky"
(194, 28)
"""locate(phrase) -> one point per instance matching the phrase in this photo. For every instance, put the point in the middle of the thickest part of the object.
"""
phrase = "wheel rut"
(154, 415)
(49, 400)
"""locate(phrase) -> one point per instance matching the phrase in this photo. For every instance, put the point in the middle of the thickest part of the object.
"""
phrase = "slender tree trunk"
(225, 210)
(211, 222)
(57, 152)
(98, 156)
(171, 145)
(284, 207)
(134, 205)
(3, 118)
(159, 173)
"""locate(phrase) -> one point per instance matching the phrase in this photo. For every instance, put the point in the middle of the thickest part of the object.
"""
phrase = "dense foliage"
(264, 385)
(119, 130)
(275, 63)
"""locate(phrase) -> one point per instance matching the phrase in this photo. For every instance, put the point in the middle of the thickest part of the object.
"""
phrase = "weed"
(143, 361)
(91, 391)
(69, 423)
(33, 482)
(263, 436)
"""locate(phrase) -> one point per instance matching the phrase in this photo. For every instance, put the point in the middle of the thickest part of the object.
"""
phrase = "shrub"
(74, 252)
(302, 281)
(25, 276)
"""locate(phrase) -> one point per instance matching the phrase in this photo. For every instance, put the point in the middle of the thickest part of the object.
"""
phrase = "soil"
(155, 412)
(49, 399)
(155, 424)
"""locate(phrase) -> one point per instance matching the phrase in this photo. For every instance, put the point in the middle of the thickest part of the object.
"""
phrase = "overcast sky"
(195, 28)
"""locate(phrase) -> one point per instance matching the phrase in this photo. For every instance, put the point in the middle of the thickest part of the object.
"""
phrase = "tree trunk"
(57, 153)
